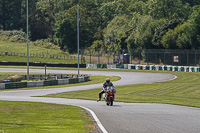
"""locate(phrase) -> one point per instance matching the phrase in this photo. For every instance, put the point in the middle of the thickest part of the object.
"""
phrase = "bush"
(45, 43)
(15, 78)
(13, 36)
(3, 77)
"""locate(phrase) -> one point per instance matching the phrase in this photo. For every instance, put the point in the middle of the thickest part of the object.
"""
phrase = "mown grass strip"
(182, 91)
(29, 117)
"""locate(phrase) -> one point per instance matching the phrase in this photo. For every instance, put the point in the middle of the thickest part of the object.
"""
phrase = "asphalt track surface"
(122, 117)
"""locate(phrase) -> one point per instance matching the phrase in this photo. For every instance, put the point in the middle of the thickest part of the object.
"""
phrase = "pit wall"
(146, 67)
(69, 80)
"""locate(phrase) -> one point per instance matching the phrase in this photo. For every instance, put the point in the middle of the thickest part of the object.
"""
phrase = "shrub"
(13, 36)
(15, 78)
(3, 77)
(45, 43)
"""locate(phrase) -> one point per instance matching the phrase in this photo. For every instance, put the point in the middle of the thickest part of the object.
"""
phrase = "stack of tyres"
(147, 67)
(160, 68)
(133, 67)
(165, 68)
(47, 83)
(73, 80)
(8, 86)
(182, 69)
(153, 68)
(86, 79)
(53, 82)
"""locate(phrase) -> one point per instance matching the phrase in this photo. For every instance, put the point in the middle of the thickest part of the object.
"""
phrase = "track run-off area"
(122, 117)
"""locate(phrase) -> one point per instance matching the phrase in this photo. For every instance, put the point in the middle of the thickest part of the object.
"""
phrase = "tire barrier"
(165, 68)
(68, 79)
(105, 66)
(145, 67)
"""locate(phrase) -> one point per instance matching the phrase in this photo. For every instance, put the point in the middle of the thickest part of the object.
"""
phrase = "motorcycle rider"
(107, 83)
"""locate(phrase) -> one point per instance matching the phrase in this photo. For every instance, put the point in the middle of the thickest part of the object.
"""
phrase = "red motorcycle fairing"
(110, 95)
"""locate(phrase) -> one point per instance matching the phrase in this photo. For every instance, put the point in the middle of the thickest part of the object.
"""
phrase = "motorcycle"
(109, 95)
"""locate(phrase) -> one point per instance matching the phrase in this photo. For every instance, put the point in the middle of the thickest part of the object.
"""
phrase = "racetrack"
(122, 117)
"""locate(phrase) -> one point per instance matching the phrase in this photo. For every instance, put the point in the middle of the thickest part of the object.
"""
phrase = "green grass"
(29, 117)
(22, 48)
(41, 117)
(182, 91)
(35, 59)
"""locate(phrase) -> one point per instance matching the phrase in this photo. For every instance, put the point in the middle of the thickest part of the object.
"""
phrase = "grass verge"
(29, 117)
(182, 91)
(35, 59)
(21, 48)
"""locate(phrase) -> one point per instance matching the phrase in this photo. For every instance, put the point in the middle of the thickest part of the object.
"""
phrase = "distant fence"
(173, 57)
(132, 56)
(143, 56)
(38, 55)
(41, 55)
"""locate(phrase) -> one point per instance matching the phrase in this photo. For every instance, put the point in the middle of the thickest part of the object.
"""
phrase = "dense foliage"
(110, 24)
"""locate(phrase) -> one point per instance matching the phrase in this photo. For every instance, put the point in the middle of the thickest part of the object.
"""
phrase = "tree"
(116, 33)
(67, 36)
(148, 34)
(177, 38)
(192, 2)
(195, 27)
(11, 14)
(110, 10)
(137, 26)
(169, 9)
(162, 30)
(137, 6)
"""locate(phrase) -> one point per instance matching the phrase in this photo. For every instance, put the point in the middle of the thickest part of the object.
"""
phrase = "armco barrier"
(5, 63)
(15, 85)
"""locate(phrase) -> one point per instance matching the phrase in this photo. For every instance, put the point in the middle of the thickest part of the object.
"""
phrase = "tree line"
(107, 24)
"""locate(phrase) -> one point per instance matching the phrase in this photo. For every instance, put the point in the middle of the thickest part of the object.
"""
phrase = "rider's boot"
(99, 98)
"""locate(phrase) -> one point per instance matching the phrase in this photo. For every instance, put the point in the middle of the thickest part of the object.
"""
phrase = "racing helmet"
(107, 80)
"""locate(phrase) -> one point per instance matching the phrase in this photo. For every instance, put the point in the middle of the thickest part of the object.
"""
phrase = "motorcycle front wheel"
(111, 101)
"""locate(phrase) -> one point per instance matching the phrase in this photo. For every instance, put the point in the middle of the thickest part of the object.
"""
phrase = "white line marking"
(96, 119)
